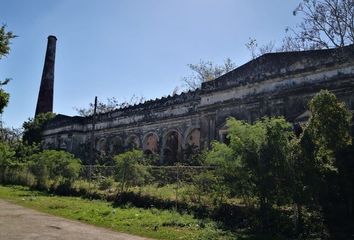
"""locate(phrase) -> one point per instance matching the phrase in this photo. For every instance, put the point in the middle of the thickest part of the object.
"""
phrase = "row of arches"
(169, 146)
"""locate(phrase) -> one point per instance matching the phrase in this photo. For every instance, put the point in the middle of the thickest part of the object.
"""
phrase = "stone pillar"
(207, 130)
(45, 96)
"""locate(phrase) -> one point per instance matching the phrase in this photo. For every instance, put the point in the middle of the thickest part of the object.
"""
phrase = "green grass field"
(154, 223)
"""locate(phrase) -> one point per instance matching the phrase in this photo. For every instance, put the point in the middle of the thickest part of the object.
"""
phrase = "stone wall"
(271, 85)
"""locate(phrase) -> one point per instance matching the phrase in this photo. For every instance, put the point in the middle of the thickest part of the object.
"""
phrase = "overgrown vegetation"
(131, 170)
(34, 126)
(266, 180)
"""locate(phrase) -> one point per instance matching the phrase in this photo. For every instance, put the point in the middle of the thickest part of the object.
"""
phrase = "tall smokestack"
(45, 96)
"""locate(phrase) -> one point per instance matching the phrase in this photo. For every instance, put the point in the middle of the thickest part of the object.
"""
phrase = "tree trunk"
(300, 220)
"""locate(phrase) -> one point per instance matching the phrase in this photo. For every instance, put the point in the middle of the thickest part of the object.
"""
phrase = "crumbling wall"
(271, 85)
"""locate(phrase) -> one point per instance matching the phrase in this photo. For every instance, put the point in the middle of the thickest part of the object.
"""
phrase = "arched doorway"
(101, 145)
(171, 149)
(192, 147)
(132, 142)
(151, 143)
(223, 132)
(116, 145)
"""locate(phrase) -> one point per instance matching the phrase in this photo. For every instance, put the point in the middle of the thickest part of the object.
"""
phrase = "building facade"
(271, 85)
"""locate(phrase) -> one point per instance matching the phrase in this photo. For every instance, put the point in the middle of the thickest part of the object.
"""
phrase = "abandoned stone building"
(271, 85)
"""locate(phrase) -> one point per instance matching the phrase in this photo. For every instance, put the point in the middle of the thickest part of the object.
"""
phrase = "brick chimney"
(45, 96)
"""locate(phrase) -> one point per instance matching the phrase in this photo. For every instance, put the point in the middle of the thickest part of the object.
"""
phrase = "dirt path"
(21, 223)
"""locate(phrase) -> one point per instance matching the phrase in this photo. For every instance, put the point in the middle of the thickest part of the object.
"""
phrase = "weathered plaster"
(273, 84)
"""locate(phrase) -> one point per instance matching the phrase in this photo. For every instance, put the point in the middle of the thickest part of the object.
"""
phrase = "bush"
(53, 167)
(131, 169)
(6, 159)
(19, 174)
(207, 184)
(106, 183)
(33, 127)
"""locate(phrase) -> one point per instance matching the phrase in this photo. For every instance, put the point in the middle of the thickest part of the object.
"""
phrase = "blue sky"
(118, 48)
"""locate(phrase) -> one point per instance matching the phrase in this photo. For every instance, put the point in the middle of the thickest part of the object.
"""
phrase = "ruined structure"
(46, 90)
(271, 85)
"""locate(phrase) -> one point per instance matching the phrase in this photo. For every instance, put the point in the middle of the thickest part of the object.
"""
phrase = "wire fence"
(178, 183)
(173, 183)
(166, 174)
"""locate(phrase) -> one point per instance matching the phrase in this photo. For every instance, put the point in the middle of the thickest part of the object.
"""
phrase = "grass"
(164, 192)
(153, 223)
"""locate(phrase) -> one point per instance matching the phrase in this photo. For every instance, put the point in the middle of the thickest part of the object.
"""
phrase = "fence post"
(177, 184)
(92, 157)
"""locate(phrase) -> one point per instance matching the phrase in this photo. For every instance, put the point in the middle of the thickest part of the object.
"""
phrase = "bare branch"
(206, 71)
(326, 24)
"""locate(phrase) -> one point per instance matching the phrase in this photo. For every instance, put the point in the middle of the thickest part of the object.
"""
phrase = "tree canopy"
(34, 126)
(325, 24)
(5, 41)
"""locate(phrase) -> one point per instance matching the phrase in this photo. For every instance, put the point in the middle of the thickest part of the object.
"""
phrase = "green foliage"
(255, 164)
(325, 147)
(19, 174)
(327, 133)
(192, 155)
(54, 166)
(208, 185)
(131, 169)
(6, 159)
(5, 41)
(106, 183)
(330, 122)
(12, 171)
(4, 99)
(227, 172)
(14, 156)
(6, 154)
(5, 38)
(23, 151)
(33, 128)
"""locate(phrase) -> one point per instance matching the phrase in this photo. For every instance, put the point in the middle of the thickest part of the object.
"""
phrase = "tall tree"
(5, 41)
(256, 163)
(329, 129)
(330, 121)
(320, 160)
(325, 24)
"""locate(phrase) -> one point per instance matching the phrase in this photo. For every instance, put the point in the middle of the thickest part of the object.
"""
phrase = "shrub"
(19, 174)
(131, 169)
(33, 127)
(207, 184)
(106, 183)
(6, 159)
(54, 167)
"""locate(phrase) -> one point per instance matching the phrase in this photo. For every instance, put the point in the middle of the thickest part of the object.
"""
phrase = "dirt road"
(19, 223)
